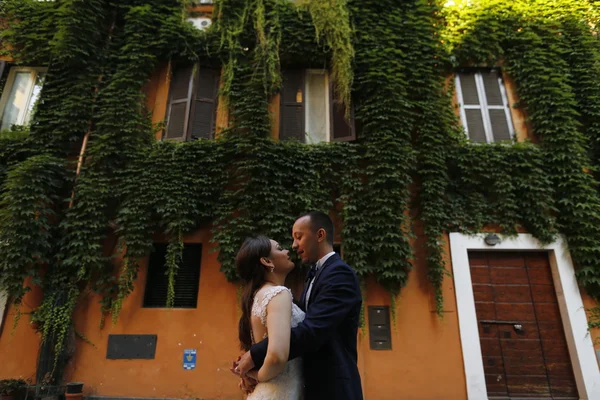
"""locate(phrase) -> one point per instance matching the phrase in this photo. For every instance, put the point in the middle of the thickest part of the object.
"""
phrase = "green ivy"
(411, 172)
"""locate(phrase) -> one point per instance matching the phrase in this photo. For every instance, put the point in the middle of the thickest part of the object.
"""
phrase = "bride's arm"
(279, 316)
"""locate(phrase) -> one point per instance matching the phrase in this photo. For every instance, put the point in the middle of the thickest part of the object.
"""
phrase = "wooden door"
(523, 344)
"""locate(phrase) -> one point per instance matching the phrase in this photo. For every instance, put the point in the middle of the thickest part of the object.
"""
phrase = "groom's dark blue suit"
(327, 338)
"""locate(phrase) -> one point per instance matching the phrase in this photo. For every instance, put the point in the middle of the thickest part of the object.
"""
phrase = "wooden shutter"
(474, 119)
(187, 279)
(342, 130)
(180, 94)
(292, 106)
(498, 117)
(204, 107)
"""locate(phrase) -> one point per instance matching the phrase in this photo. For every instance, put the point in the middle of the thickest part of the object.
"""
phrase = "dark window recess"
(2, 68)
(380, 336)
(187, 279)
(292, 106)
(131, 347)
(342, 129)
(193, 100)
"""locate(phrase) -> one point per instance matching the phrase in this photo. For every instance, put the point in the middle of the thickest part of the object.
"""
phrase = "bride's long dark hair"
(252, 273)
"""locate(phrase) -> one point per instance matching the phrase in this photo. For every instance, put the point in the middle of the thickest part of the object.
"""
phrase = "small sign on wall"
(189, 359)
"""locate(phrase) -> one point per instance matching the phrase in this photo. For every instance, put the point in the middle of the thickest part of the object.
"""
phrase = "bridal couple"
(305, 350)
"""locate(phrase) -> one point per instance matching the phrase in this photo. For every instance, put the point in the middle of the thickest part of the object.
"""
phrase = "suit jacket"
(326, 339)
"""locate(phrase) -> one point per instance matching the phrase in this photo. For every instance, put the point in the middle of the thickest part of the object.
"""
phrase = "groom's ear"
(266, 262)
(321, 235)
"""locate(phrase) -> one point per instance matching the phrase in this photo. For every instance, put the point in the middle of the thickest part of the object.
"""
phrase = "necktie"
(311, 273)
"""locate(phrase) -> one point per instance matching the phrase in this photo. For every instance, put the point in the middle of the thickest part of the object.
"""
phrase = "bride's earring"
(272, 268)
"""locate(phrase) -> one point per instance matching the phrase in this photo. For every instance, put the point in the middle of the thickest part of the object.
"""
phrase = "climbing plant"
(89, 169)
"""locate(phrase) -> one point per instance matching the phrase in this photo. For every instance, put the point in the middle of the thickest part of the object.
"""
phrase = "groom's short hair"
(320, 220)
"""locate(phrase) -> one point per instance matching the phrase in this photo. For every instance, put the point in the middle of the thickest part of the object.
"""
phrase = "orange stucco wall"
(19, 347)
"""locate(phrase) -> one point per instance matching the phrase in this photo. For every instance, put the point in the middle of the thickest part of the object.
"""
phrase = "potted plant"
(10, 387)
(74, 391)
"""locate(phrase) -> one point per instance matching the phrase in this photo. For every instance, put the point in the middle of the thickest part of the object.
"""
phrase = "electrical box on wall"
(380, 336)
(201, 23)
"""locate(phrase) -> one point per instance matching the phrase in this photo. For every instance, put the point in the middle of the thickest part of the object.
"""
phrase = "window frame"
(190, 100)
(10, 80)
(483, 105)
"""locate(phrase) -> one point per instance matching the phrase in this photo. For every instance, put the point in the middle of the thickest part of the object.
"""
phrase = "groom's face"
(305, 241)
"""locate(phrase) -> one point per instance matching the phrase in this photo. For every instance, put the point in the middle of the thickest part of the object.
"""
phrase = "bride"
(268, 310)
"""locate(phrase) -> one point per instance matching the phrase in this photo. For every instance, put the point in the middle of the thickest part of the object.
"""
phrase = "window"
(187, 279)
(308, 111)
(193, 98)
(484, 109)
(20, 94)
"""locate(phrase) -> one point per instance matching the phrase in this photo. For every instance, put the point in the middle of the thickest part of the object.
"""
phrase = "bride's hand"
(248, 382)
(253, 374)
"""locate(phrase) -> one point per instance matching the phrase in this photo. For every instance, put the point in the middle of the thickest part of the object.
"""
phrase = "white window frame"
(484, 106)
(3, 306)
(307, 138)
(10, 80)
(572, 311)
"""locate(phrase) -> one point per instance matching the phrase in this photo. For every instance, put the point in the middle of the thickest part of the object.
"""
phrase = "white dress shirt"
(310, 284)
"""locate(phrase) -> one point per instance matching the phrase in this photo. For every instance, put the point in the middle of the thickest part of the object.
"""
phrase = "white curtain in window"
(17, 100)
(317, 107)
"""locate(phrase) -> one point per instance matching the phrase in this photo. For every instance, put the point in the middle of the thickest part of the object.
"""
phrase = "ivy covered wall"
(389, 61)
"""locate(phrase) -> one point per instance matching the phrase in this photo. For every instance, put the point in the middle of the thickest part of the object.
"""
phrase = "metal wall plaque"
(131, 347)
(380, 336)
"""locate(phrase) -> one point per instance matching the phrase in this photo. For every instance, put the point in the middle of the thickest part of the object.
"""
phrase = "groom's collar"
(323, 259)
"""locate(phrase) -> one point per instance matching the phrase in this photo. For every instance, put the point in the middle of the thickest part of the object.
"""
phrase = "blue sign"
(189, 359)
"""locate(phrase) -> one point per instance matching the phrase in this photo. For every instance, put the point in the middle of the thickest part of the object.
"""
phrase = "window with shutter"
(187, 279)
(20, 94)
(484, 108)
(180, 93)
(193, 100)
(204, 108)
(308, 111)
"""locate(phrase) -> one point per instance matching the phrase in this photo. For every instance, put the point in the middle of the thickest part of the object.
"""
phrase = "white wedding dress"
(289, 385)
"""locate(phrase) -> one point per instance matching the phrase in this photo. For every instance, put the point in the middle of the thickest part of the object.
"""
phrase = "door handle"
(517, 326)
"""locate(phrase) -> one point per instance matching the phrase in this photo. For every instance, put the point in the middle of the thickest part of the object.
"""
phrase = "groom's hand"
(244, 364)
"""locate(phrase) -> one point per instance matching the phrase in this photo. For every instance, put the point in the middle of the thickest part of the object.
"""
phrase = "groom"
(332, 301)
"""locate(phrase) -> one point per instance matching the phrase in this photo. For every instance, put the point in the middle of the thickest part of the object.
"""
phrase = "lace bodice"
(259, 307)
(289, 384)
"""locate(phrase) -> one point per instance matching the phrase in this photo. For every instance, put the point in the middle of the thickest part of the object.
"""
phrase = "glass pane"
(35, 95)
(469, 88)
(475, 126)
(17, 100)
(317, 100)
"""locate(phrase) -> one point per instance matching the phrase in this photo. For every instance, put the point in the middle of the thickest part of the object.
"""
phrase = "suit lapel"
(335, 257)
(303, 297)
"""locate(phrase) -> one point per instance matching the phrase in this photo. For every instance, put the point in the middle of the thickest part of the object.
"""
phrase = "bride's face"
(280, 258)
